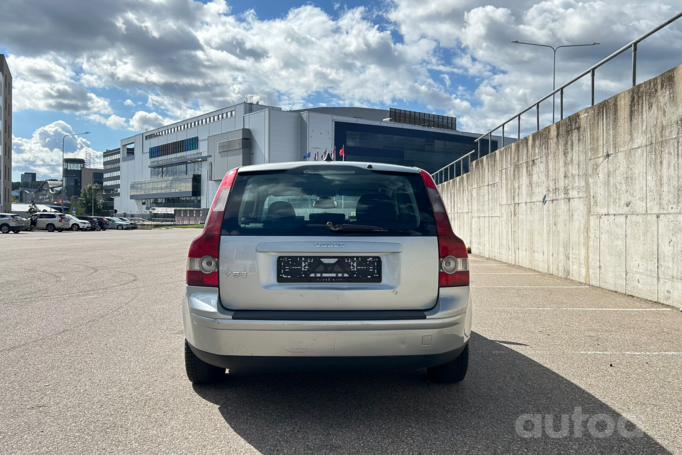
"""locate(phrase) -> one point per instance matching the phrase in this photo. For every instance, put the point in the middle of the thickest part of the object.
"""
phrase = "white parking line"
(522, 351)
(574, 309)
(628, 353)
(503, 273)
(541, 287)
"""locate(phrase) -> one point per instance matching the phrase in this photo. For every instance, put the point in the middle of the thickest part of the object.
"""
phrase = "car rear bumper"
(436, 337)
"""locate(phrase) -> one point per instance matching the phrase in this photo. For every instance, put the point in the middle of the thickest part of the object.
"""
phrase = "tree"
(74, 204)
(89, 195)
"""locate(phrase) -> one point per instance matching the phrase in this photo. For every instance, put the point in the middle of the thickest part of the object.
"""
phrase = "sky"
(116, 68)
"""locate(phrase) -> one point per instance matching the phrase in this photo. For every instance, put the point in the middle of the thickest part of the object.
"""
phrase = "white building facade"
(181, 165)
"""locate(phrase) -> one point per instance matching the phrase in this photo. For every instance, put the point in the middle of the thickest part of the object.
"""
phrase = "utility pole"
(554, 67)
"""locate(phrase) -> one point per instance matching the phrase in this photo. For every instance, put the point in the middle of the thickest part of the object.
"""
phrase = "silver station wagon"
(327, 266)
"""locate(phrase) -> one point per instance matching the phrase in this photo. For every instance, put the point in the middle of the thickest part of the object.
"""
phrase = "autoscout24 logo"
(598, 425)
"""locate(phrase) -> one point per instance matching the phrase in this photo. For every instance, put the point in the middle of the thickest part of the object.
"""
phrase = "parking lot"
(92, 361)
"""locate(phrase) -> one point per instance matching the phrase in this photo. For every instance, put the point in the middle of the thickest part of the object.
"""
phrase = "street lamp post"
(554, 67)
(63, 173)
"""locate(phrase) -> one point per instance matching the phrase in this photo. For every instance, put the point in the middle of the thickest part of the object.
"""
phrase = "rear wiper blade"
(360, 228)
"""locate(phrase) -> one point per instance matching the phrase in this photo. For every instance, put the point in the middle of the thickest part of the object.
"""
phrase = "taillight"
(454, 262)
(202, 263)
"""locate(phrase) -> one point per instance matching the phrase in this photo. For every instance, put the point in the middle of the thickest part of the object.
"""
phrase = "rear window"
(339, 200)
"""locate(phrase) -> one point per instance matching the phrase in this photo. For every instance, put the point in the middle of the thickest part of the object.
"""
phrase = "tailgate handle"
(329, 247)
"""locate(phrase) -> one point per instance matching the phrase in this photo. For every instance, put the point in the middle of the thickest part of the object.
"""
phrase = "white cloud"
(48, 83)
(42, 152)
(143, 121)
(194, 57)
(113, 121)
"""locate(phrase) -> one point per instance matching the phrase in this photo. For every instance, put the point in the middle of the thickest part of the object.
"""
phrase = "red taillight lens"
(454, 262)
(202, 261)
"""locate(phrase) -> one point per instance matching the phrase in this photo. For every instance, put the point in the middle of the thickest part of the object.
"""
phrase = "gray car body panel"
(248, 273)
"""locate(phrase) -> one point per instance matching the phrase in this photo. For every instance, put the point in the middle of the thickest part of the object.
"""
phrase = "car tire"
(98, 228)
(16, 232)
(50, 228)
(4, 229)
(60, 230)
(75, 227)
(119, 227)
(451, 372)
(200, 372)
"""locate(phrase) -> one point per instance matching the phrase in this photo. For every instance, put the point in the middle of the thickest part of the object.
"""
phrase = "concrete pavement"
(91, 355)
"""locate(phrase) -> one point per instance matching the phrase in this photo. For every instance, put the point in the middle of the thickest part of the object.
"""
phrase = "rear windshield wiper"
(361, 228)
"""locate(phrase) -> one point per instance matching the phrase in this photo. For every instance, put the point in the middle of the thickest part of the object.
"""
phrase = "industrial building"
(77, 177)
(28, 177)
(179, 166)
(112, 179)
(5, 136)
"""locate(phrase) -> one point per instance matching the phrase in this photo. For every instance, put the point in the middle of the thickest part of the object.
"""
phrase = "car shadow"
(401, 412)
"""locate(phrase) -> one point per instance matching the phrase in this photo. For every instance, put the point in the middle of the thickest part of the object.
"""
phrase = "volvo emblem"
(330, 245)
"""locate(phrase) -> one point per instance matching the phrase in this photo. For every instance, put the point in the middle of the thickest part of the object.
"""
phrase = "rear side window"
(337, 201)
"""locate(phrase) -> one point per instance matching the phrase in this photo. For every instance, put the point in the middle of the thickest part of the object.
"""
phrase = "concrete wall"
(596, 197)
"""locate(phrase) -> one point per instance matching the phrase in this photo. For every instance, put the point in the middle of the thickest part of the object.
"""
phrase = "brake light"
(202, 262)
(454, 262)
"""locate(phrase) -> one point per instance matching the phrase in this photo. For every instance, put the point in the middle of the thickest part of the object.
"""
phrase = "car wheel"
(4, 228)
(98, 228)
(75, 227)
(200, 372)
(50, 228)
(451, 372)
(119, 227)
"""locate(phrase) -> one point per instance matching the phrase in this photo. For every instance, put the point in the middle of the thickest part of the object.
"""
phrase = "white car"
(13, 223)
(341, 265)
(77, 225)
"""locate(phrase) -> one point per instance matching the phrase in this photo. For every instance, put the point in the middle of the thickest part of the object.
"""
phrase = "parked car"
(327, 266)
(51, 222)
(76, 224)
(103, 224)
(133, 224)
(13, 223)
(94, 225)
(116, 223)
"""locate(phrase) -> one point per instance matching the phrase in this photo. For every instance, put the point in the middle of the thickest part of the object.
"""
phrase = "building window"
(172, 148)
(429, 150)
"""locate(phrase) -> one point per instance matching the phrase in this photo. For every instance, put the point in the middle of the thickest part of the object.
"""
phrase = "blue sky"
(118, 68)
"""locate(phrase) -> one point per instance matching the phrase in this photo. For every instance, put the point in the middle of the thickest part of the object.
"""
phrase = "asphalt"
(91, 361)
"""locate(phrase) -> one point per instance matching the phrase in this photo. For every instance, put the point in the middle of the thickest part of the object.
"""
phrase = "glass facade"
(428, 150)
(189, 202)
(73, 177)
(183, 186)
(174, 147)
(176, 170)
(422, 119)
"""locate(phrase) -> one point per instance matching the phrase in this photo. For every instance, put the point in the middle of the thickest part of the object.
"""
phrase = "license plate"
(318, 269)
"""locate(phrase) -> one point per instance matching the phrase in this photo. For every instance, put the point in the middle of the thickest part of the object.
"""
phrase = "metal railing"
(450, 171)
